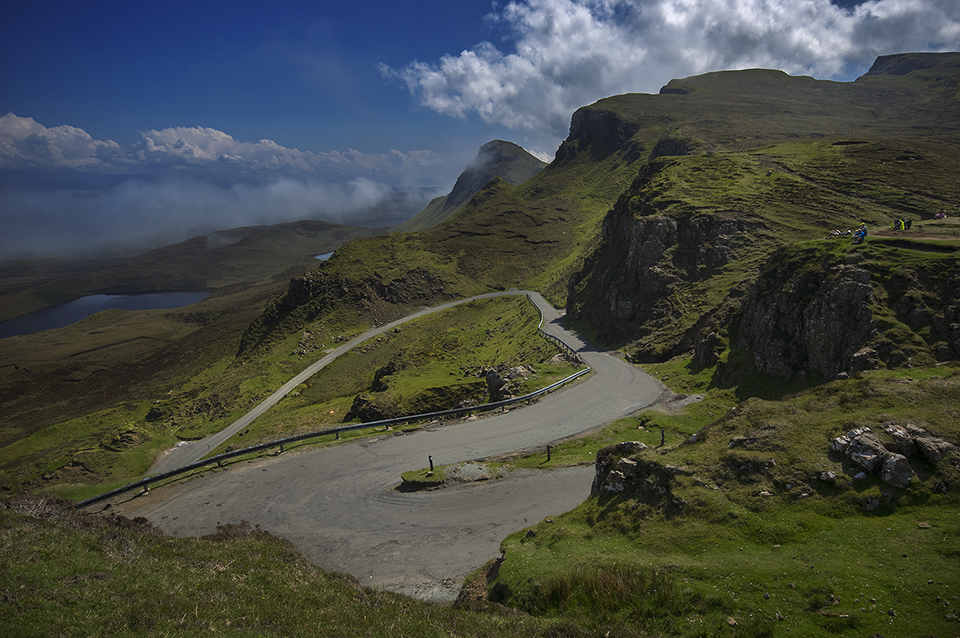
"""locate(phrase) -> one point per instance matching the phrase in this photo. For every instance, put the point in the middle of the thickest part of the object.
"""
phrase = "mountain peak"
(496, 158)
(904, 63)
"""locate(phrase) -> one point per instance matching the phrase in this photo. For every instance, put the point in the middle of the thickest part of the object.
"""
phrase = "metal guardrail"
(220, 458)
(549, 336)
(386, 423)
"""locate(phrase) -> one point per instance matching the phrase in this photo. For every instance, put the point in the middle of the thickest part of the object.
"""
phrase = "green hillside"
(496, 159)
(691, 230)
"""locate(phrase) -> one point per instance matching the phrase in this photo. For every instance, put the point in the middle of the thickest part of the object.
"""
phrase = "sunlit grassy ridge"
(431, 364)
(416, 368)
(761, 538)
(753, 169)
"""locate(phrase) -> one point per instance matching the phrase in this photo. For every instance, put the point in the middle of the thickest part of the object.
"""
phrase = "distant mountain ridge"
(505, 160)
(699, 232)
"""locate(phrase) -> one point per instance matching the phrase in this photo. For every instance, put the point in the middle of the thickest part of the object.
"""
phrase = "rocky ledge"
(866, 455)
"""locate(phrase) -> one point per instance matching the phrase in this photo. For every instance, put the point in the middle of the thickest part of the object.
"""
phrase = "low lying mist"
(139, 214)
(62, 192)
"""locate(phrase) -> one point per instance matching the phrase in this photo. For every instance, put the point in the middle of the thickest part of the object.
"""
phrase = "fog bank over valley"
(63, 192)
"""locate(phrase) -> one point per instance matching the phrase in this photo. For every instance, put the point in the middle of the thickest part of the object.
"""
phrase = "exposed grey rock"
(615, 482)
(931, 447)
(706, 349)
(839, 444)
(863, 447)
(498, 388)
(627, 467)
(521, 372)
(818, 322)
(828, 477)
(902, 441)
(896, 471)
(866, 450)
(864, 359)
(619, 468)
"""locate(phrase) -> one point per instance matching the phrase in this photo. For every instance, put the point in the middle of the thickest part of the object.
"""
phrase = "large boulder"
(863, 448)
(931, 447)
(895, 470)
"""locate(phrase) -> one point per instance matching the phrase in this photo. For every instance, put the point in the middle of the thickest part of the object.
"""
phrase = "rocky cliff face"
(633, 284)
(818, 321)
(601, 131)
(807, 315)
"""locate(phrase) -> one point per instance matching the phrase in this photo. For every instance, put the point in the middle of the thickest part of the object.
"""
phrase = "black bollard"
(431, 463)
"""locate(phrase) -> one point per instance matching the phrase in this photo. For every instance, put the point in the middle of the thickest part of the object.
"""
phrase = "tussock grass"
(761, 538)
(82, 575)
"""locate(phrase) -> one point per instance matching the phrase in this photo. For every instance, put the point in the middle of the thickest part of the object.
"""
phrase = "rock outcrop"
(869, 456)
(817, 320)
(808, 315)
(619, 469)
(504, 383)
(628, 288)
(601, 131)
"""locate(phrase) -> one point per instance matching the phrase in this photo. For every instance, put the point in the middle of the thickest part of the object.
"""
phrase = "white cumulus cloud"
(24, 143)
(562, 54)
(27, 144)
(62, 190)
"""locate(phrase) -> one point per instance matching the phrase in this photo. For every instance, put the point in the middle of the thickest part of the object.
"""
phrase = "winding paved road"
(338, 505)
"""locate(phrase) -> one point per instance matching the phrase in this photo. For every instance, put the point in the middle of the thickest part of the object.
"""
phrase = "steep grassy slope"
(689, 228)
(505, 160)
(683, 242)
(72, 575)
(702, 183)
(100, 371)
(757, 521)
(717, 255)
(761, 157)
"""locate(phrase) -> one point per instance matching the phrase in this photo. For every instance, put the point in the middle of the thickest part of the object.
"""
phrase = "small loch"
(70, 312)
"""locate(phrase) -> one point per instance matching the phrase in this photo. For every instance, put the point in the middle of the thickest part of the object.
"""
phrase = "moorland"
(812, 491)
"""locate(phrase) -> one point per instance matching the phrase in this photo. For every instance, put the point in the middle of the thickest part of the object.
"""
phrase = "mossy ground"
(761, 539)
(78, 575)
(797, 156)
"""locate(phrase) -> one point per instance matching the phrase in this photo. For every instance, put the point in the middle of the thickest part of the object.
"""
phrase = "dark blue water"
(73, 311)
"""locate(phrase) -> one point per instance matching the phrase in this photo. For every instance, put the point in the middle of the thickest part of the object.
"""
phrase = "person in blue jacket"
(860, 235)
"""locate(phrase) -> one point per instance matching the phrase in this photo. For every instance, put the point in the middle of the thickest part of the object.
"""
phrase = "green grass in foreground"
(754, 552)
(68, 574)
(761, 546)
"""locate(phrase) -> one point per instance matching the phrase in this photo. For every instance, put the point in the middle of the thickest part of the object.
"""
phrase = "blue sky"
(303, 74)
(155, 121)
